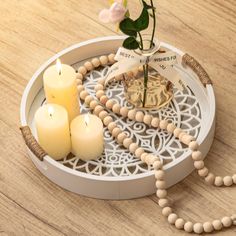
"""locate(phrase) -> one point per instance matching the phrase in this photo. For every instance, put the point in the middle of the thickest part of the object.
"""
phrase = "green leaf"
(130, 43)
(127, 26)
(143, 21)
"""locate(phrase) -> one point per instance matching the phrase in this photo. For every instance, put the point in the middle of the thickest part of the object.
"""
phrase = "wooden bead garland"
(121, 137)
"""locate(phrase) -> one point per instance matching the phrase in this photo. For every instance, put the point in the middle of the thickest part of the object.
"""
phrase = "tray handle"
(197, 68)
(32, 143)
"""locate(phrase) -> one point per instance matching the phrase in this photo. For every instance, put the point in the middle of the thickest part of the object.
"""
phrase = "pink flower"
(114, 14)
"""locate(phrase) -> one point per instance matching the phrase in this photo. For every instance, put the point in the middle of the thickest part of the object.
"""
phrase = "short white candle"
(87, 137)
(60, 88)
(53, 132)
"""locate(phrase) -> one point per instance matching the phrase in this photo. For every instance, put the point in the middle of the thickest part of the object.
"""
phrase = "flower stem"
(145, 73)
(141, 40)
(154, 23)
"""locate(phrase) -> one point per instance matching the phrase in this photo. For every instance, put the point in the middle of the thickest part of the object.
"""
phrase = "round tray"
(117, 174)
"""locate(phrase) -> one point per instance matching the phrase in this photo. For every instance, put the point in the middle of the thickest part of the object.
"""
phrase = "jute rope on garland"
(98, 109)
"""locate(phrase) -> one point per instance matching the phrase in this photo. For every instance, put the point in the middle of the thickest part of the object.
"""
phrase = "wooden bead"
(78, 81)
(101, 81)
(226, 221)
(133, 147)
(103, 99)
(109, 104)
(93, 104)
(166, 211)
(181, 135)
(116, 131)
(151, 159)
(163, 124)
(143, 157)
(198, 228)
(135, 71)
(98, 87)
(160, 184)
(147, 119)
(103, 60)
(218, 181)
(159, 174)
(97, 110)
(131, 114)
(107, 120)
(100, 93)
(177, 132)
(140, 68)
(198, 165)
(111, 58)
(163, 202)
(179, 223)
(139, 151)
(172, 218)
(139, 116)
(88, 65)
(83, 94)
(157, 165)
(79, 76)
(193, 145)
(170, 128)
(88, 99)
(208, 227)
(96, 62)
(119, 77)
(111, 126)
(102, 115)
(228, 181)
(80, 88)
(186, 139)
(124, 111)
(203, 172)
(210, 178)
(234, 178)
(197, 156)
(217, 224)
(161, 193)
(233, 218)
(82, 70)
(188, 226)
(121, 136)
(155, 122)
(129, 73)
(116, 108)
(127, 142)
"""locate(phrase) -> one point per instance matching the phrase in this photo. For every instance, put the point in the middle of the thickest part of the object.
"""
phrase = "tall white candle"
(87, 137)
(60, 88)
(53, 132)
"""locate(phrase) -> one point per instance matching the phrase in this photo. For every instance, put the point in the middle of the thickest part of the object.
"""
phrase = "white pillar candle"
(53, 132)
(60, 88)
(87, 137)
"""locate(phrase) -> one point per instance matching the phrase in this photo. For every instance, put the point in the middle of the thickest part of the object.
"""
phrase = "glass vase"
(145, 87)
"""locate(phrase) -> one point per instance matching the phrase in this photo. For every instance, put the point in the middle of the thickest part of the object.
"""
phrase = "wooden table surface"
(30, 33)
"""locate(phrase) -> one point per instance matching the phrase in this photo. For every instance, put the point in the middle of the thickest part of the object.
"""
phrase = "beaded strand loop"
(98, 109)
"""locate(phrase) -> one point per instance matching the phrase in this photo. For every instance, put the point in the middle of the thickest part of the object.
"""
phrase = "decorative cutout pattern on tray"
(184, 111)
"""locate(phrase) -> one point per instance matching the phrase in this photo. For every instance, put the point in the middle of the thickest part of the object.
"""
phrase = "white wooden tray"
(117, 174)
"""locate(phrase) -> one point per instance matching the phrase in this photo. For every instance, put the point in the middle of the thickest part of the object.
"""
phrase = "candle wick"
(50, 114)
(59, 72)
(86, 123)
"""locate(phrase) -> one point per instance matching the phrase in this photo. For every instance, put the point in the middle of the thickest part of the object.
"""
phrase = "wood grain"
(30, 33)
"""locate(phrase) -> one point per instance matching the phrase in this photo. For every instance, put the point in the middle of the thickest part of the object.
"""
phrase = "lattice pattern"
(184, 111)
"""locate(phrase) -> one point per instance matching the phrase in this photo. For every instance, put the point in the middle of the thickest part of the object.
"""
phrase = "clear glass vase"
(145, 87)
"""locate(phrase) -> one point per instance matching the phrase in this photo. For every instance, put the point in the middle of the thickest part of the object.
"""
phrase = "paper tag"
(161, 62)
